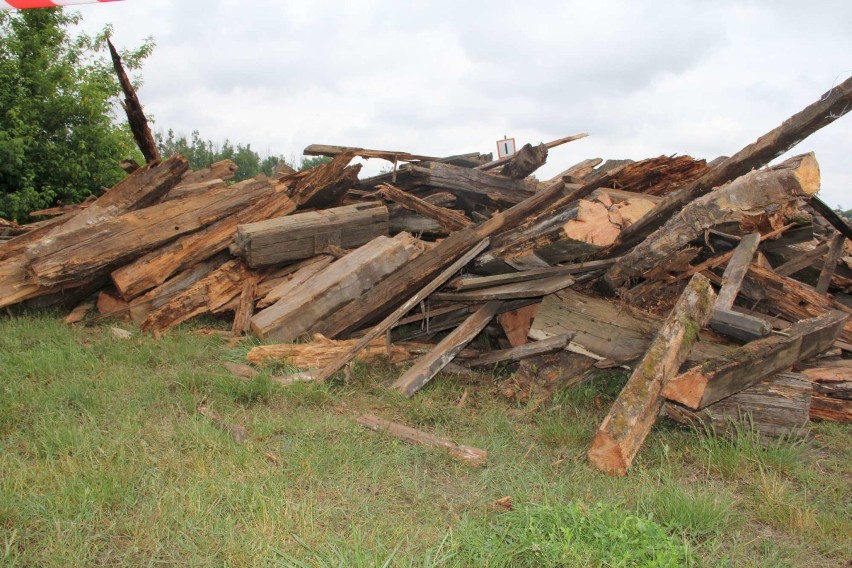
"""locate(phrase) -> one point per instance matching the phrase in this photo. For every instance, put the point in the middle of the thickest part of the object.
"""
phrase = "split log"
(835, 251)
(159, 265)
(133, 108)
(777, 186)
(722, 377)
(185, 190)
(90, 252)
(527, 160)
(325, 185)
(549, 345)
(320, 351)
(448, 219)
(214, 290)
(777, 406)
(300, 236)
(469, 455)
(427, 367)
(832, 384)
(245, 308)
(830, 106)
(634, 412)
(606, 328)
(345, 280)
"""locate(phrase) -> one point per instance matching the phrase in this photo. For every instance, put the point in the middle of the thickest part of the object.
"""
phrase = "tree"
(60, 136)
(201, 153)
(309, 162)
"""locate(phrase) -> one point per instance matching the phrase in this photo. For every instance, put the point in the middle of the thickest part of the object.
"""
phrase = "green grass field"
(105, 461)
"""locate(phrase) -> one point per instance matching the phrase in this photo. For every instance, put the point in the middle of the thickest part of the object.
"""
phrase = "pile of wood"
(723, 285)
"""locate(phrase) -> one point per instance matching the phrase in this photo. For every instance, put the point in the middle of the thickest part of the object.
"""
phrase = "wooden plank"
(427, 367)
(736, 270)
(719, 378)
(308, 268)
(778, 186)
(549, 345)
(777, 406)
(828, 108)
(830, 215)
(467, 454)
(450, 220)
(300, 236)
(491, 189)
(516, 324)
(342, 281)
(478, 282)
(389, 155)
(835, 251)
(634, 412)
(386, 324)
(531, 289)
(802, 260)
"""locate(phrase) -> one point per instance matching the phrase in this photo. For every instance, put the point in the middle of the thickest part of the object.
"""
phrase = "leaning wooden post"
(133, 108)
(635, 410)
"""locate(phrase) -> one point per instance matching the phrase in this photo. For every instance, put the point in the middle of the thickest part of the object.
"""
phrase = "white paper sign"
(505, 147)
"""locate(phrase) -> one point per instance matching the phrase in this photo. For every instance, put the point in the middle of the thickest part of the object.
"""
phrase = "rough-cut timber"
(306, 270)
(320, 351)
(722, 377)
(777, 406)
(532, 289)
(245, 308)
(608, 329)
(448, 219)
(828, 108)
(392, 319)
(477, 282)
(325, 185)
(778, 186)
(634, 412)
(221, 170)
(835, 251)
(491, 189)
(205, 296)
(430, 365)
(549, 345)
(467, 454)
(133, 108)
(295, 237)
(159, 265)
(345, 280)
(516, 324)
(90, 252)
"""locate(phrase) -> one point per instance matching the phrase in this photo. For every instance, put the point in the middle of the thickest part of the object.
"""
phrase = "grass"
(104, 460)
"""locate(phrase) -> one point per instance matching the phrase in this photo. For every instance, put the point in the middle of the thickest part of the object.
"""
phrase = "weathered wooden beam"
(743, 327)
(549, 345)
(634, 412)
(828, 108)
(296, 237)
(736, 270)
(327, 184)
(467, 283)
(830, 215)
(389, 155)
(450, 220)
(398, 313)
(321, 350)
(719, 378)
(427, 367)
(467, 454)
(835, 251)
(531, 289)
(527, 160)
(777, 406)
(342, 281)
(801, 261)
(780, 185)
(489, 188)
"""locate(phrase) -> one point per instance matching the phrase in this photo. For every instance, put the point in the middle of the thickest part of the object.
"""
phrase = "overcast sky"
(440, 78)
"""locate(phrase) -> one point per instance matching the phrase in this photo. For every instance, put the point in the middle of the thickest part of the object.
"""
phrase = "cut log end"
(808, 174)
(607, 455)
(686, 389)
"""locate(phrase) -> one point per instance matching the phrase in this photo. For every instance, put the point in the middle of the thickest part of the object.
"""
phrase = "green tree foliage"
(201, 153)
(60, 136)
(309, 162)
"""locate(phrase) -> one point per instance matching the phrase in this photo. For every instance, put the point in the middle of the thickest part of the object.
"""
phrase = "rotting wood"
(448, 219)
(487, 188)
(135, 115)
(828, 108)
(325, 185)
(80, 312)
(306, 271)
(525, 161)
(777, 406)
(300, 236)
(549, 145)
(391, 320)
(321, 350)
(530, 289)
(516, 324)
(427, 367)
(722, 377)
(477, 282)
(634, 412)
(467, 454)
(835, 251)
(345, 280)
(780, 186)
(245, 309)
(221, 170)
(802, 260)
(159, 265)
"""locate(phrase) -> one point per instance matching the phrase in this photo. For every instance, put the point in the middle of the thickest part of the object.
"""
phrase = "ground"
(105, 460)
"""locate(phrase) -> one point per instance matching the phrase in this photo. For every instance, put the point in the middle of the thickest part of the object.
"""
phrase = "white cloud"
(448, 77)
